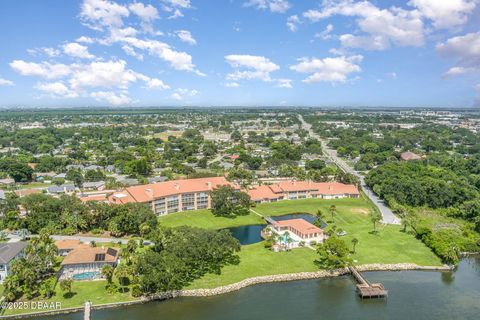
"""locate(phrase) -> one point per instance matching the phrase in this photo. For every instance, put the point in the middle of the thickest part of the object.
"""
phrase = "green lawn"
(255, 260)
(85, 290)
(205, 219)
(389, 245)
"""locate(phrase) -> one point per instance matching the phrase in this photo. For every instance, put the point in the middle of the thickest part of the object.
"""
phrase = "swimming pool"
(86, 276)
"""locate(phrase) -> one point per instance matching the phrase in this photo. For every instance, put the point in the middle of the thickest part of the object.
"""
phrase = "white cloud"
(76, 50)
(278, 6)
(258, 67)
(465, 50)
(328, 69)
(84, 39)
(50, 52)
(326, 33)
(131, 52)
(111, 97)
(445, 14)
(147, 14)
(56, 89)
(45, 70)
(381, 26)
(175, 7)
(156, 84)
(293, 22)
(284, 83)
(232, 85)
(186, 36)
(5, 82)
(103, 74)
(181, 93)
(97, 14)
(392, 75)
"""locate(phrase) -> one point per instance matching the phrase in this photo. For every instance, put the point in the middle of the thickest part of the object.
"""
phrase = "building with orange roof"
(172, 196)
(67, 245)
(294, 233)
(86, 262)
(291, 190)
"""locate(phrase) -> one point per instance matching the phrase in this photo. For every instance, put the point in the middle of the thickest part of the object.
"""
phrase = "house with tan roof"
(172, 196)
(292, 190)
(408, 156)
(67, 245)
(293, 233)
(86, 262)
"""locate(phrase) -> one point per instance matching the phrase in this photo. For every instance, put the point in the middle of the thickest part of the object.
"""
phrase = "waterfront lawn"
(205, 219)
(256, 260)
(83, 291)
(388, 245)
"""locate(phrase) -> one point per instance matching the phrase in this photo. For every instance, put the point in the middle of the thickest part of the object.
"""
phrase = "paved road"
(89, 239)
(387, 215)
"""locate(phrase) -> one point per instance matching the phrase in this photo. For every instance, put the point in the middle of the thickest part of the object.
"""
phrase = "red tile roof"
(409, 156)
(300, 225)
(89, 255)
(262, 193)
(149, 192)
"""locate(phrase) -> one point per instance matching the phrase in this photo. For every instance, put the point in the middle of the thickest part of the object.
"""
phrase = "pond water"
(251, 234)
(411, 295)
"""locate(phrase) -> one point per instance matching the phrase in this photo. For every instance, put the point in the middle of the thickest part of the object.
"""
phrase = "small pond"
(251, 234)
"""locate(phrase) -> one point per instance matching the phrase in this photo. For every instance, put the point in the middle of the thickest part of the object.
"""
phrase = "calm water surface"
(412, 295)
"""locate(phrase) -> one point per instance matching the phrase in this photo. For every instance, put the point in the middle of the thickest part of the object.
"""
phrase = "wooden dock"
(368, 290)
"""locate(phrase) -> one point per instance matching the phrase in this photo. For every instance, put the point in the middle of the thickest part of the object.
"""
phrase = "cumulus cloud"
(176, 7)
(445, 14)
(181, 94)
(381, 26)
(284, 83)
(56, 89)
(257, 67)
(156, 84)
(146, 13)
(326, 33)
(331, 70)
(5, 82)
(76, 50)
(131, 52)
(232, 85)
(186, 36)
(465, 50)
(98, 14)
(49, 52)
(111, 97)
(45, 70)
(293, 22)
(277, 6)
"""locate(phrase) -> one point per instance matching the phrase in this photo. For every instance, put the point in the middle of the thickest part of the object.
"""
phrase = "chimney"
(176, 186)
(330, 187)
(209, 185)
(149, 192)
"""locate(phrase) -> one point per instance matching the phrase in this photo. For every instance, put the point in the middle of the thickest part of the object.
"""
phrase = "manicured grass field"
(84, 290)
(388, 245)
(255, 260)
(205, 219)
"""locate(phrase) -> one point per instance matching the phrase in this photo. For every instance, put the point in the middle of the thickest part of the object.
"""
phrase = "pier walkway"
(365, 289)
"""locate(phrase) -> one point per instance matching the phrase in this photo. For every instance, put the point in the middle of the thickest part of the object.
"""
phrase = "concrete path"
(388, 217)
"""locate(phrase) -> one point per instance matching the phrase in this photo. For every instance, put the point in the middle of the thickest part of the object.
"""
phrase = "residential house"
(64, 188)
(408, 156)
(7, 181)
(94, 185)
(85, 262)
(8, 253)
(293, 233)
(65, 246)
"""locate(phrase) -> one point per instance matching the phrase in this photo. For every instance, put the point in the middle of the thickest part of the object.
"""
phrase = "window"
(172, 204)
(2, 267)
(160, 206)
(188, 201)
(202, 200)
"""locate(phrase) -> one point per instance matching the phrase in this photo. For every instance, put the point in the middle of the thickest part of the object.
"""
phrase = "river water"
(412, 295)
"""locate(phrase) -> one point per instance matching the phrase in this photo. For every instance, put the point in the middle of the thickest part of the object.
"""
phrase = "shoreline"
(238, 286)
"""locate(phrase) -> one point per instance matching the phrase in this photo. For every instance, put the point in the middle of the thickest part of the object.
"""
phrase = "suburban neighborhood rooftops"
(90, 255)
(274, 191)
(8, 251)
(69, 244)
(93, 184)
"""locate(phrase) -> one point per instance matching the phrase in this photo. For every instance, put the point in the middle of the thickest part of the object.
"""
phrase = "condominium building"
(291, 190)
(172, 196)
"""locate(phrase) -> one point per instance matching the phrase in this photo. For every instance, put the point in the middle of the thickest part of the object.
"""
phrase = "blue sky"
(415, 53)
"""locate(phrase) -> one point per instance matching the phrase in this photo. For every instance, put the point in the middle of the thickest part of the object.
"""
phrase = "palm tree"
(122, 272)
(354, 242)
(332, 210)
(319, 218)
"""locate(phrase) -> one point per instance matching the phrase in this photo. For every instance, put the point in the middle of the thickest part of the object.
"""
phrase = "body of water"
(412, 295)
(251, 234)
